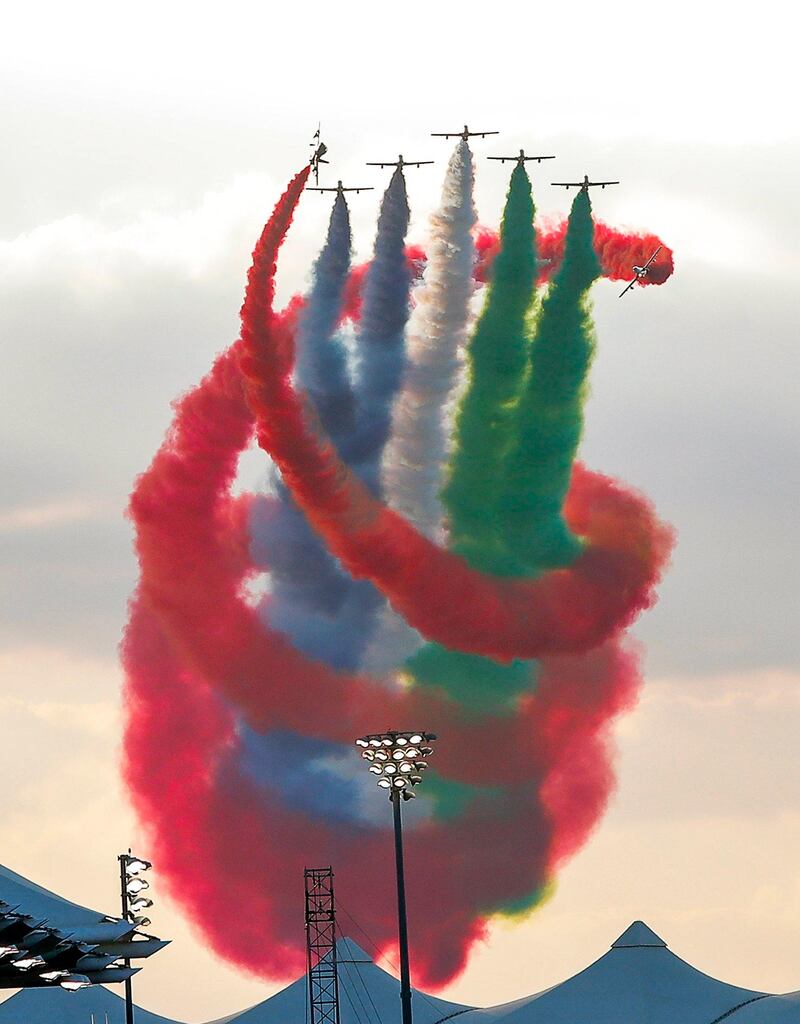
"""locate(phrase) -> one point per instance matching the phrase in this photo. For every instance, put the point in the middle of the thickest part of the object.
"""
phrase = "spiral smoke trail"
(527, 653)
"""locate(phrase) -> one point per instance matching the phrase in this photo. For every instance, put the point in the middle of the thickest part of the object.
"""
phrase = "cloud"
(93, 254)
(720, 746)
(52, 513)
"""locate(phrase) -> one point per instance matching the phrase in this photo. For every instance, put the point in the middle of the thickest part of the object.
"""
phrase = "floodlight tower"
(131, 888)
(398, 761)
(323, 974)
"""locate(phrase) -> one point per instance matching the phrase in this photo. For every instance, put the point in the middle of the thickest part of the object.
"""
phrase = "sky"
(143, 150)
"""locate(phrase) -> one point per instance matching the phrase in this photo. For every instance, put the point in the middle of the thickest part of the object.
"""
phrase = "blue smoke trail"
(328, 615)
(321, 367)
(307, 585)
(380, 340)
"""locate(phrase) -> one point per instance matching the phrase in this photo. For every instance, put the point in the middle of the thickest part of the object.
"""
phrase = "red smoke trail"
(192, 545)
(564, 611)
(618, 252)
(194, 649)
(199, 812)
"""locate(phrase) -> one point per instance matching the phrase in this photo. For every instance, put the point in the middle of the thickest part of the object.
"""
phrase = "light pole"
(130, 889)
(398, 761)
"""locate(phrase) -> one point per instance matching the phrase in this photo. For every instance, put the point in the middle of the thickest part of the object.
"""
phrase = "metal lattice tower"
(323, 978)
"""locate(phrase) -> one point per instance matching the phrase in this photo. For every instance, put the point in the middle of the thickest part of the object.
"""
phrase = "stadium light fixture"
(397, 759)
(75, 981)
(131, 886)
(26, 963)
(135, 865)
(53, 975)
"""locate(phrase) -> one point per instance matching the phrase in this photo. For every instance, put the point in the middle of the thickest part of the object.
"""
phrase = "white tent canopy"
(638, 981)
(47, 941)
(367, 995)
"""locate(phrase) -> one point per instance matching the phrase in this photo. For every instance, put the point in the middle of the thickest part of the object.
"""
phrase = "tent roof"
(35, 901)
(639, 980)
(46, 1005)
(638, 934)
(367, 995)
(48, 935)
(769, 1010)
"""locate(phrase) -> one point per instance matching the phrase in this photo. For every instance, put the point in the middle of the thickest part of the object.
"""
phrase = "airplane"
(317, 159)
(340, 189)
(320, 149)
(641, 272)
(466, 134)
(399, 163)
(521, 159)
(584, 185)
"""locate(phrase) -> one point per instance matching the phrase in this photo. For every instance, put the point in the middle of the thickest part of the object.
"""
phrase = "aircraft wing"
(361, 188)
(658, 250)
(568, 184)
(604, 183)
(317, 188)
(446, 135)
(502, 159)
(417, 163)
(628, 286)
(389, 163)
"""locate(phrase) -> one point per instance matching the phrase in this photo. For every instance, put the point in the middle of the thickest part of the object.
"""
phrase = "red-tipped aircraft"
(641, 272)
(465, 134)
(584, 185)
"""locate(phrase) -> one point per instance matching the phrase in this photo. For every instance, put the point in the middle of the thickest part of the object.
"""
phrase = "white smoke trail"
(415, 454)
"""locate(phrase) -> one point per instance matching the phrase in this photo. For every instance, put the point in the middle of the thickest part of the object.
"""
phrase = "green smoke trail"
(517, 433)
(497, 358)
(548, 419)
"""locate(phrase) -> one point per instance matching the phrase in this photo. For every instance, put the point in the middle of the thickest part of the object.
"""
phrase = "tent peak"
(638, 934)
(349, 949)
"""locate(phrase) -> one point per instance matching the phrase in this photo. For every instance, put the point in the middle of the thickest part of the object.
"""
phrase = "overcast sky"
(144, 148)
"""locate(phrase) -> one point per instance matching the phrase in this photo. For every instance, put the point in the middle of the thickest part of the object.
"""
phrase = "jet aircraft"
(641, 272)
(465, 134)
(399, 163)
(521, 159)
(320, 149)
(340, 188)
(584, 185)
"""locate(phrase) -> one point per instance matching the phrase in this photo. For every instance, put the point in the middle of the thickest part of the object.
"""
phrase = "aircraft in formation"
(340, 188)
(641, 272)
(400, 163)
(584, 185)
(521, 159)
(320, 149)
(465, 134)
